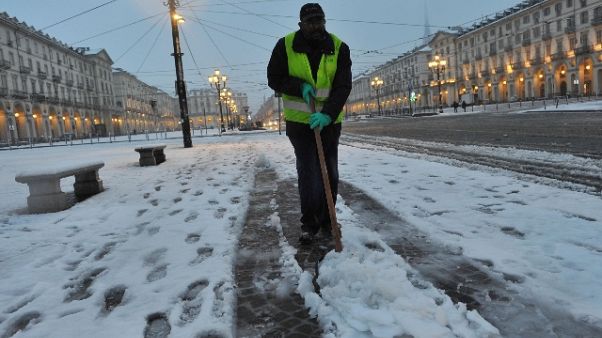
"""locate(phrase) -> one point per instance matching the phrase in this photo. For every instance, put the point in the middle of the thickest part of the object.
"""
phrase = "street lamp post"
(180, 84)
(376, 83)
(438, 66)
(219, 81)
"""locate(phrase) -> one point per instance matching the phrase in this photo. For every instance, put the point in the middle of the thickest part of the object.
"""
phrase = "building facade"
(270, 113)
(143, 107)
(204, 108)
(405, 82)
(536, 49)
(50, 91)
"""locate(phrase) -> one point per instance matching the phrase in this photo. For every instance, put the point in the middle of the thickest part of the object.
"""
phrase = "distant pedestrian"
(464, 105)
(455, 105)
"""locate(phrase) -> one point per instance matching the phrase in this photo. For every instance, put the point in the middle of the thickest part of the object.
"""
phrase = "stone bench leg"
(159, 156)
(147, 158)
(87, 184)
(46, 196)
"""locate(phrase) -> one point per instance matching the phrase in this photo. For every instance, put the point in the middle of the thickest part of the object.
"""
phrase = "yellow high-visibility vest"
(295, 109)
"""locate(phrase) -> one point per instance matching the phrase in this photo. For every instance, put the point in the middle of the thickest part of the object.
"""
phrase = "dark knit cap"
(311, 11)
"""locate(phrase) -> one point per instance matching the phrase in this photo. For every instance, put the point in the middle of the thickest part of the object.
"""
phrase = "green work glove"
(307, 92)
(320, 120)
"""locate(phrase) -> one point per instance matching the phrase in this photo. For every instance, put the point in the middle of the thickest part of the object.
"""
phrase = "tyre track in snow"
(497, 295)
(572, 173)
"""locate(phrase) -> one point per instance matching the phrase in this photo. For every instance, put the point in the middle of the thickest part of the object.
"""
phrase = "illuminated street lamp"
(438, 66)
(376, 83)
(219, 81)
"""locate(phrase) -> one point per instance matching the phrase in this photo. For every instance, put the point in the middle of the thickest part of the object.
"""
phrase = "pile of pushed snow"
(369, 291)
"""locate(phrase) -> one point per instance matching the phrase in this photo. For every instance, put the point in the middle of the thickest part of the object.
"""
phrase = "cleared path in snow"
(267, 304)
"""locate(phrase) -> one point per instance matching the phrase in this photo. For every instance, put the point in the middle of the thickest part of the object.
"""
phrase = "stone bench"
(151, 154)
(45, 193)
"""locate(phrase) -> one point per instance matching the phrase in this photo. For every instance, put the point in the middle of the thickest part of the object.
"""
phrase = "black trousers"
(314, 209)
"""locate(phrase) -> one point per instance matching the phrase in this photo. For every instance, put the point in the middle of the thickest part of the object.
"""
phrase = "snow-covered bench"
(45, 193)
(151, 154)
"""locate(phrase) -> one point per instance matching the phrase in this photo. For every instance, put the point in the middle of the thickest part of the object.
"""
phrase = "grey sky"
(237, 36)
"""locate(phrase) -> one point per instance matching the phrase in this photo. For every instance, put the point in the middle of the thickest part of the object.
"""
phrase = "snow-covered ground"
(165, 237)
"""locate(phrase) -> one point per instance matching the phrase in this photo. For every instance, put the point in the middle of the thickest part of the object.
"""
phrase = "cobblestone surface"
(263, 309)
(261, 313)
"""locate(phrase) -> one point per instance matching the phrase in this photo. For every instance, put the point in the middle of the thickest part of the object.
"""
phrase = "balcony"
(517, 65)
(570, 29)
(526, 42)
(56, 78)
(5, 64)
(484, 73)
(546, 36)
(536, 61)
(478, 57)
(20, 94)
(559, 55)
(499, 70)
(508, 48)
(53, 99)
(38, 97)
(90, 87)
(42, 74)
(69, 82)
(3, 92)
(492, 52)
(80, 85)
(25, 69)
(583, 50)
(597, 21)
(466, 61)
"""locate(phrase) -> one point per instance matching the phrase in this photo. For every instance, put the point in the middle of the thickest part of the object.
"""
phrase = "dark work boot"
(306, 238)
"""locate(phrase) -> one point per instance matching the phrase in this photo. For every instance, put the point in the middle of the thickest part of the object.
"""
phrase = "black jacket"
(280, 80)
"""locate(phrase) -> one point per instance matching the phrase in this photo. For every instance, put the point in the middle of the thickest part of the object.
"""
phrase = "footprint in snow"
(203, 253)
(192, 238)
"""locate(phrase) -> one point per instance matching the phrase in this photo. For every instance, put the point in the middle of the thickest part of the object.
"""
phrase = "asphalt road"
(577, 133)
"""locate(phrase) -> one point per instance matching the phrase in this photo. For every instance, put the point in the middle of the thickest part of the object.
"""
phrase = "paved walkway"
(267, 305)
(476, 283)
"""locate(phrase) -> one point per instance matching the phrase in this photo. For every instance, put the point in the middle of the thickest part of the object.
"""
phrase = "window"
(559, 45)
(584, 17)
(526, 19)
(558, 8)
(536, 17)
(583, 39)
(569, 3)
(536, 32)
(559, 25)
(546, 11)
(572, 43)
(599, 36)
(583, 3)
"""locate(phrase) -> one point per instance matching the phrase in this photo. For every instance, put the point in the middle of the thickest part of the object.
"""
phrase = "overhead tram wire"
(191, 54)
(262, 15)
(255, 14)
(211, 39)
(119, 28)
(230, 35)
(208, 68)
(239, 29)
(138, 40)
(78, 14)
(152, 47)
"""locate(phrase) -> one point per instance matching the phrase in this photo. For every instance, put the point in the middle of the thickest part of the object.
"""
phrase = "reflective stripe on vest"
(295, 109)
